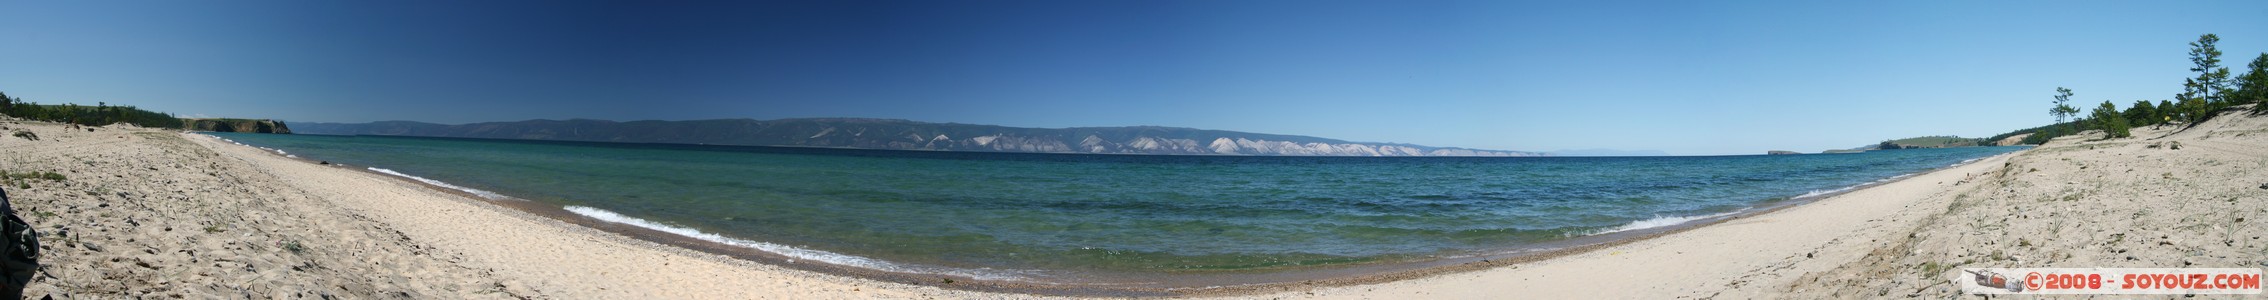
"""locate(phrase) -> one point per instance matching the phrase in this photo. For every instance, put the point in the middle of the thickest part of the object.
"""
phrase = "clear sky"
(1687, 77)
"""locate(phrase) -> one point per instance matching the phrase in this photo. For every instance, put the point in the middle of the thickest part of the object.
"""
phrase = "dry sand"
(2081, 201)
(156, 213)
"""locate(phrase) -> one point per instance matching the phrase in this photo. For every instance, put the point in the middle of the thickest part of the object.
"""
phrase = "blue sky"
(1687, 77)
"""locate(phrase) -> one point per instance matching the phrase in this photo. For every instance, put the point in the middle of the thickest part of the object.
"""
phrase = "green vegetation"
(1942, 141)
(2142, 113)
(32, 175)
(2062, 109)
(2212, 79)
(2203, 96)
(22, 180)
(2037, 134)
(101, 114)
(294, 247)
(2108, 119)
(1933, 268)
(2253, 86)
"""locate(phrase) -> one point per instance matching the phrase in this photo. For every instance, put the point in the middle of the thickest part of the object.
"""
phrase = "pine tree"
(2253, 86)
(2062, 109)
(2165, 112)
(2106, 117)
(2140, 113)
(2211, 82)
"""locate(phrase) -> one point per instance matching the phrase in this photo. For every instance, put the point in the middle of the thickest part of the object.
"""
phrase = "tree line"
(2202, 97)
(99, 115)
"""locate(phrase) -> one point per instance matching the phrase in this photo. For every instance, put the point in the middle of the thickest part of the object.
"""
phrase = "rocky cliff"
(235, 125)
(907, 135)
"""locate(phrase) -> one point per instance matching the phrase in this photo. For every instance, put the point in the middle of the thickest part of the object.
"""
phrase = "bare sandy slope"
(2083, 202)
(143, 213)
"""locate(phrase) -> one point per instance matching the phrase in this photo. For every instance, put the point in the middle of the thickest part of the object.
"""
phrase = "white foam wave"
(789, 251)
(481, 193)
(1817, 193)
(1660, 221)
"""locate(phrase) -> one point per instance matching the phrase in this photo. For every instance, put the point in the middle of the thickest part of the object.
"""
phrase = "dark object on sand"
(19, 251)
(1994, 280)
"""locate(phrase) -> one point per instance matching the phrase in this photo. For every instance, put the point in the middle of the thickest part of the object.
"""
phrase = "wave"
(1664, 221)
(481, 193)
(1658, 221)
(1817, 193)
(278, 151)
(789, 251)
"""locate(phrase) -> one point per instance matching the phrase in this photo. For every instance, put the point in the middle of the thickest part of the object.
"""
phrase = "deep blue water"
(1009, 213)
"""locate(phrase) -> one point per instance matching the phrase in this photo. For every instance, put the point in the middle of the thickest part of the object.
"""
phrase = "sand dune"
(2083, 202)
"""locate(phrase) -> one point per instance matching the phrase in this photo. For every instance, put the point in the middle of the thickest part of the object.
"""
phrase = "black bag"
(19, 251)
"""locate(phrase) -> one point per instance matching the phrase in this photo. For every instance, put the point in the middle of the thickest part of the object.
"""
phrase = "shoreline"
(1251, 283)
(504, 234)
(157, 213)
(1701, 257)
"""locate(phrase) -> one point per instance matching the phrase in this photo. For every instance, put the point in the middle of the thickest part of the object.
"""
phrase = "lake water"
(1021, 215)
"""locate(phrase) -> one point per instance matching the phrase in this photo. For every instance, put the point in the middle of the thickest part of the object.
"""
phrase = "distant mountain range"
(1607, 152)
(904, 135)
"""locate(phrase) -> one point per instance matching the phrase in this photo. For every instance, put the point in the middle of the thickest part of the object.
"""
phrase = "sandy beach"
(154, 213)
(159, 213)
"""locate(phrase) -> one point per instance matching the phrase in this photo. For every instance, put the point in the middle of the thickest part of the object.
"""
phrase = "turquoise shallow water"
(1006, 214)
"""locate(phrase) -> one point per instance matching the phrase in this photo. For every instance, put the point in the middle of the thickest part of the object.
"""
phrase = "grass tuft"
(294, 247)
